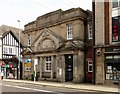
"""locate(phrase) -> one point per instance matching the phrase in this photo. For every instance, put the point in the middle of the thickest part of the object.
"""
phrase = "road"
(23, 88)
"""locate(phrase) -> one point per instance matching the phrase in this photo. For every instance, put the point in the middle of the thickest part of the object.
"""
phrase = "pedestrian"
(2, 74)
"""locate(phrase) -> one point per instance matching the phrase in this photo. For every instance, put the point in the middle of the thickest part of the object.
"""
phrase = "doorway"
(69, 67)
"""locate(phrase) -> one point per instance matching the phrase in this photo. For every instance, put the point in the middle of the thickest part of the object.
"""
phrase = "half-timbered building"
(10, 58)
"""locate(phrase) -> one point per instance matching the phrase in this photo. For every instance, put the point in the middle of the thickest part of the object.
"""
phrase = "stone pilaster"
(63, 68)
(41, 61)
(52, 65)
(75, 68)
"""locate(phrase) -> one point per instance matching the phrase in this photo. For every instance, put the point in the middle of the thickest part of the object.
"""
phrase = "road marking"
(29, 88)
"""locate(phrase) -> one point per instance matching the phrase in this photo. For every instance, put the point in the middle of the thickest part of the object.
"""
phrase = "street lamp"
(19, 51)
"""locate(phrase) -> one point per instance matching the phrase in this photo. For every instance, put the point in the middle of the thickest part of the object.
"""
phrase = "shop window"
(113, 69)
(115, 29)
(115, 3)
(48, 63)
(90, 66)
(69, 31)
(119, 3)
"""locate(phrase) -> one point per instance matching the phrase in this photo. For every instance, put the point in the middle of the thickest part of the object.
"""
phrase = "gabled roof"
(7, 32)
(51, 32)
(4, 29)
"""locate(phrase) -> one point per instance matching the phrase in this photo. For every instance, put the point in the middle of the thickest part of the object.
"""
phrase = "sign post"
(35, 63)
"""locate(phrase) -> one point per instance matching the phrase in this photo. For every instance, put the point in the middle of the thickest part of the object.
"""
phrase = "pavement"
(89, 87)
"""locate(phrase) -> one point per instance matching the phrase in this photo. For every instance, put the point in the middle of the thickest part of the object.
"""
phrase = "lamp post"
(19, 52)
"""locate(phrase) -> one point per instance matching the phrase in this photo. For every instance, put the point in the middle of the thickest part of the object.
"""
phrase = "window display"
(112, 69)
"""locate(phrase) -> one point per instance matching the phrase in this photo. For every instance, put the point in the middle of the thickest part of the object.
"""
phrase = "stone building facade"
(107, 42)
(56, 46)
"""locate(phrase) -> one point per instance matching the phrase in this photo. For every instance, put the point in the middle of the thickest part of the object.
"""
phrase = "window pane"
(29, 39)
(48, 63)
(119, 3)
(115, 29)
(69, 31)
(113, 70)
(90, 68)
(89, 31)
(114, 3)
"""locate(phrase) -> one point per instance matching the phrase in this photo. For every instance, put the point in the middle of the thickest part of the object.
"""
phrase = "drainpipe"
(85, 40)
(94, 57)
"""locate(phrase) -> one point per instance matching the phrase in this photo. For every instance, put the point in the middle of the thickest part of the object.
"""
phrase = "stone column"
(75, 67)
(41, 61)
(38, 67)
(63, 68)
(57, 67)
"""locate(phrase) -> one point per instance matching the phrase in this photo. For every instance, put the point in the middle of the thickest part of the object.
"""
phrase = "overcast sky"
(28, 10)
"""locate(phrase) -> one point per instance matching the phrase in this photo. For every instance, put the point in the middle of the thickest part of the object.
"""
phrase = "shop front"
(112, 65)
(10, 71)
(9, 67)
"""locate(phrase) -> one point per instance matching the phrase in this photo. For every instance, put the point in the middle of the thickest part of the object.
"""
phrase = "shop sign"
(112, 49)
(28, 64)
(28, 60)
(8, 66)
(35, 61)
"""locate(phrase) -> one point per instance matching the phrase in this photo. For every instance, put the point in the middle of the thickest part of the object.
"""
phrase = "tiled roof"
(4, 29)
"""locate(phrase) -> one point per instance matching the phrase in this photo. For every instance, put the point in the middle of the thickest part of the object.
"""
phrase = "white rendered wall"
(0, 48)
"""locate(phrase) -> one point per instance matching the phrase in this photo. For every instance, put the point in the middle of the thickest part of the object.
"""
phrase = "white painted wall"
(0, 48)
(115, 12)
(7, 51)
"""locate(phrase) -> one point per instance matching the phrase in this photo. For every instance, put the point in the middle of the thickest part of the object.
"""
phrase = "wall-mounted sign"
(112, 49)
(28, 64)
(35, 61)
(28, 60)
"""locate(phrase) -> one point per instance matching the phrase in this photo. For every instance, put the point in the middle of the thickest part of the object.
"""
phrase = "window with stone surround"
(69, 31)
(29, 40)
(48, 63)
(89, 31)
